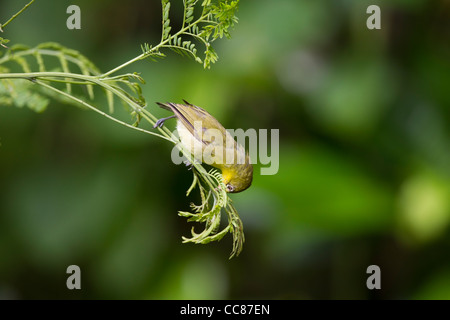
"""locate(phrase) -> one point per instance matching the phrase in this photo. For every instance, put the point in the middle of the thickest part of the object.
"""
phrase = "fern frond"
(40, 80)
(214, 22)
(22, 94)
(189, 6)
(127, 85)
(165, 20)
(209, 212)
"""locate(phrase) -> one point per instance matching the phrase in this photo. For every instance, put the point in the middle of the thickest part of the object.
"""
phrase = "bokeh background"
(364, 172)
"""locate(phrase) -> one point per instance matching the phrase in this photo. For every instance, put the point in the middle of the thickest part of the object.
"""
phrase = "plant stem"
(166, 134)
(33, 76)
(47, 52)
(43, 84)
(156, 48)
(14, 16)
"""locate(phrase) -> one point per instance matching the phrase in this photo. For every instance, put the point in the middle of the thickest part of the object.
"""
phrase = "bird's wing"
(188, 114)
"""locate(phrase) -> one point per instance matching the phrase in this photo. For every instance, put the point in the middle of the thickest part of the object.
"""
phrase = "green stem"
(45, 85)
(47, 52)
(49, 76)
(166, 134)
(14, 16)
(156, 48)
(86, 78)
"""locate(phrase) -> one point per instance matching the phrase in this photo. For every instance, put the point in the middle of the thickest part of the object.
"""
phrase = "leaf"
(65, 68)
(20, 94)
(3, 41)
(217, 200)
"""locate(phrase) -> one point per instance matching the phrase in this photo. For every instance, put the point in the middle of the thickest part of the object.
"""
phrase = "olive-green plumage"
(209, 142)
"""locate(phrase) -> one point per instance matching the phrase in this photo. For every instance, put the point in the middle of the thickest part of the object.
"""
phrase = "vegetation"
(212, 23)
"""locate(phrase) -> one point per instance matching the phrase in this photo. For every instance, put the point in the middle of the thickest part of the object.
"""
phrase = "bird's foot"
(160, 122)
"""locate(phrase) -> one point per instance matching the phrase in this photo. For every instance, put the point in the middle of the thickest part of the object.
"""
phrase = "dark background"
(364, 158)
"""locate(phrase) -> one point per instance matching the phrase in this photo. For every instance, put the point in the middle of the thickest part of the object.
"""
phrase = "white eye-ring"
(230, 188)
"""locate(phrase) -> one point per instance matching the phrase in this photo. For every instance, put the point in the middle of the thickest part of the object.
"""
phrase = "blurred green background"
(364, 173)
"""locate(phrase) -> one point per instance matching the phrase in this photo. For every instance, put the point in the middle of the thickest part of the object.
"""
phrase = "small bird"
(209, 142)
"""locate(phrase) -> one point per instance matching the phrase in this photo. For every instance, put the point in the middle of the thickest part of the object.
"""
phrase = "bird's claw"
(188, 164)
(159, 123)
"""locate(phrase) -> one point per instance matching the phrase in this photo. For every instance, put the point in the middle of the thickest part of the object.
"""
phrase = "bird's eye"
(230, 188)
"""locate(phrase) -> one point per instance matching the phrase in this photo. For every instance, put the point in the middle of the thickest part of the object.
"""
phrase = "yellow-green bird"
(209, 142)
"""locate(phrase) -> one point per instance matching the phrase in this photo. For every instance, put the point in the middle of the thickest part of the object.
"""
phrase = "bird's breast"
(190, 143)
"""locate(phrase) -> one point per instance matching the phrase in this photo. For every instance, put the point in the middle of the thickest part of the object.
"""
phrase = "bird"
(209, 142)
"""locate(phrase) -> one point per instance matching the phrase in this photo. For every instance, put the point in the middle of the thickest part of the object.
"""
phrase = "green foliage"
(214, 22)
(3, 40)
(75, 74)
(361, 181)
(22, 94)
(25, 57)
(214, 199)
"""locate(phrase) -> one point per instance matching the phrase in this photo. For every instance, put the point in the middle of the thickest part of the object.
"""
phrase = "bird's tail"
(165, 106)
